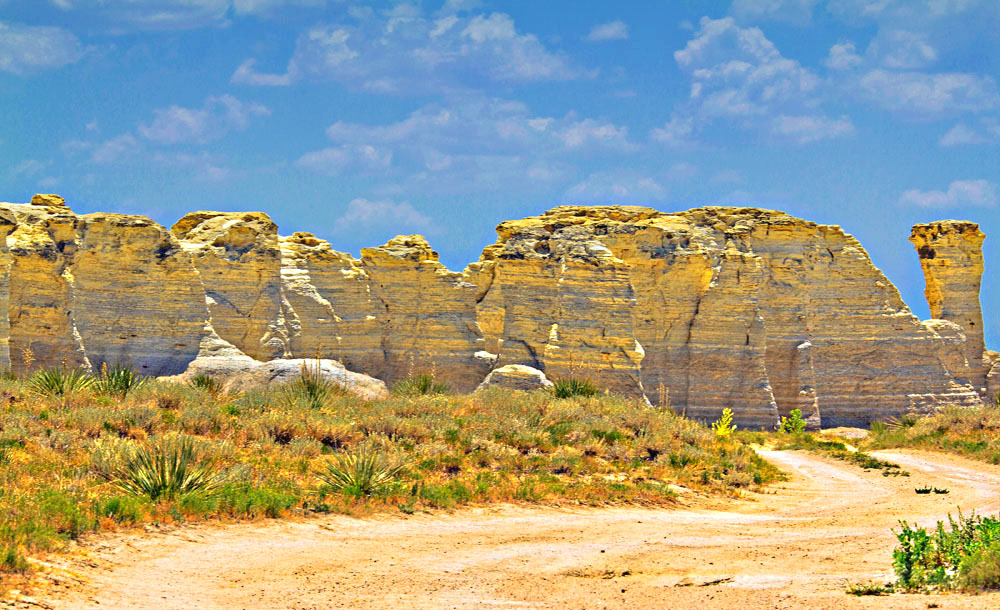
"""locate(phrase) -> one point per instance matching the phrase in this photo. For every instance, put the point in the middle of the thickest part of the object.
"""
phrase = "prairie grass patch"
(100, 457)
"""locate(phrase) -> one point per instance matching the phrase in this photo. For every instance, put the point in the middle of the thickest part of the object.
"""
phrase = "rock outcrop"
(516, 377)
(951, 255)
(742, 308)
(239, 264)
(695, 311)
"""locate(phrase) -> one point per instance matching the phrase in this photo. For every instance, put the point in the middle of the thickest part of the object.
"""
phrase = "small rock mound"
(516, 377)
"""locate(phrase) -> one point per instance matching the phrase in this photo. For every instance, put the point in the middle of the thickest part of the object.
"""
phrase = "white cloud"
(218, 116)
(613, 30)
(988, 130)
(791, 11)
(843, 56)
(927, 95)
(739, 76)
(28, 167)
(979, 193)
(335, 160)
(154, 14)
(681, 172)
(403, 51)
(473, 142)
(622, 186)
(902, 49)
(366, 215)
(116, 149)
(805, 129)
(25, 49)
(961, 134)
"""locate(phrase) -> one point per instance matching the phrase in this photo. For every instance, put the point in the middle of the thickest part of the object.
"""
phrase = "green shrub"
(207, 383)
(59, 382)
(965, 555)
(419, 385)
(359, 473)
(311, 388)
(118, 380)
(121, 509)
(793, 424)
(570, 387)
(167, 469)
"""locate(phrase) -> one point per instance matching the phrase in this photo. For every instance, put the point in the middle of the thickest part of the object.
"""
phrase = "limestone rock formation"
(743, 308)
(516, 377)
(951, 256)
(239, 373)
(239, 264)
(713, 308)
(99, 288)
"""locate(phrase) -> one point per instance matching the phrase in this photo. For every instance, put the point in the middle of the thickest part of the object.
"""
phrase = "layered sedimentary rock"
(698, 311)
(394, 312)
(951, 256)
(100, 288)
(239, 263)
(735, 307)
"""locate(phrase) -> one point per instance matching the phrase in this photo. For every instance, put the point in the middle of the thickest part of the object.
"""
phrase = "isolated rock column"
(951, 255)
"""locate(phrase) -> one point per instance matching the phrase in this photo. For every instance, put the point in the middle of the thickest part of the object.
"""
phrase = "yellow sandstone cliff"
(712, 308)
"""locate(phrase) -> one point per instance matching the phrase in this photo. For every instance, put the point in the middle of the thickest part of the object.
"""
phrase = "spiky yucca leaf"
(362, 472)
(59, 382)
(118, 380)
(167, 469)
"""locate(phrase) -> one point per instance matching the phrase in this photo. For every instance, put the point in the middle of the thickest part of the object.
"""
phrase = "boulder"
(516, 377)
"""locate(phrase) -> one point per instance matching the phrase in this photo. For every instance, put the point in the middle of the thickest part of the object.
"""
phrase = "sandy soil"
(793, 547)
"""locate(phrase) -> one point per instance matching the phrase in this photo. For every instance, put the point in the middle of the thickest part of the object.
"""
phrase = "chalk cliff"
(712, 308)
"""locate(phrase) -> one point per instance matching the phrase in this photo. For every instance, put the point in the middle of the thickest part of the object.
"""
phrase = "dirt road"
(793, 547)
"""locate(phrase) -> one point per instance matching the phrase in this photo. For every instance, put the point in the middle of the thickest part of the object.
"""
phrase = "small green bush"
(966, 555)
(419, 385)
(118, 380)
(359, 473)
(59, 382)
(312, 388)
(570, 387)
(793, 424)
(167, 469)
(207, 383)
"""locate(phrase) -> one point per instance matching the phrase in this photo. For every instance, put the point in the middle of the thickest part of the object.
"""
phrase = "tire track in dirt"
(791, 547)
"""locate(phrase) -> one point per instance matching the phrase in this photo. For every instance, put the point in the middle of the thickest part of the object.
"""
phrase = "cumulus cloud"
(843, 56)
(739, 76)
(25, 49)
(335, 160)
(116, 149)
(791, 11)
(988, 130)
(928, 95)
(979, 193)
(613, 30)
(471, 142)
(403, 51)
(218, 116)
(366, 215)
(805, 129)
(622, 186)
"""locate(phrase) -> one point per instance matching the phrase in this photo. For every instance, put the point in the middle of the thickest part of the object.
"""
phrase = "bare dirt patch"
(792, 547)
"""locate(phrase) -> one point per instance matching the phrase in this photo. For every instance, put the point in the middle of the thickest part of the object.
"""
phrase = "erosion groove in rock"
(696, 311)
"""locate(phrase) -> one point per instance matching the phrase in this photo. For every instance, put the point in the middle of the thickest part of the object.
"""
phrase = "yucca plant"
(167, 469)
(206, 382)
(362, 472)
(419, 385)
(312, 387)
(570, 387)
(59, 382)
(118, 380)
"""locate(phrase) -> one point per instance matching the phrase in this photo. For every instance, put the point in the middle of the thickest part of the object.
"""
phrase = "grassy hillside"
(79, 454)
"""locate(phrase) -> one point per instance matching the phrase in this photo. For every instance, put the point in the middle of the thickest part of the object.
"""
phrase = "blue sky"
(358, 121)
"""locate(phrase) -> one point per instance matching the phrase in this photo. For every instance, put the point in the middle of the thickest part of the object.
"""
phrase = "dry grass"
(496, 446)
